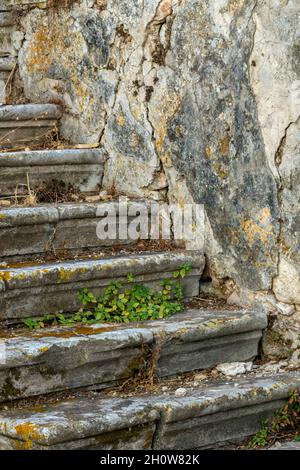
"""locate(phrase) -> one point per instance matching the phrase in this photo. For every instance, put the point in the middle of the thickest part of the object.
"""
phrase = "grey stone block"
(65, 359)
(207, 417)
(82, 169)
(221, 413)
(203, 340)
(28, 123)
(35, 230)
(102, 354)
(25, 230)
(27, 112)
(49, 288)
(101, 424)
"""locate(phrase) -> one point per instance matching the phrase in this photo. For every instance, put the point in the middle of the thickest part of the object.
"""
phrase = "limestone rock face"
(194, 100)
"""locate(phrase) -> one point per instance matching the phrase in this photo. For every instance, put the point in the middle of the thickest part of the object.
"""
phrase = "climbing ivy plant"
(123, 304)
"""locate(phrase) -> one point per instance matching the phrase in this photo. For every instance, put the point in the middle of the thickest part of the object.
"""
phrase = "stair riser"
(18, 304)
(21, 125)
(80, 169)
(99, 363)
(20, 134)
(68, 227)
(210, 431)
(46, 378)
(185, 357)
(85, 178)
(71, 236)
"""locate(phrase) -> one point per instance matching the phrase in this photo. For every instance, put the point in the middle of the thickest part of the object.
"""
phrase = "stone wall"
(191, 100)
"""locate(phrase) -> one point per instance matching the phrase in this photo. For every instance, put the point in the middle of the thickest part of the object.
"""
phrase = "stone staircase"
(55, 383)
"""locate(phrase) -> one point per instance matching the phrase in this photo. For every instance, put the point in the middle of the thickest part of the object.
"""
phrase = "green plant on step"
(285, 419)
(261, 437)
(123, 304)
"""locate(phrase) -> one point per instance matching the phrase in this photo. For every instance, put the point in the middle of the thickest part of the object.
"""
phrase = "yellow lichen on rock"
(261, 230)
(27, 433)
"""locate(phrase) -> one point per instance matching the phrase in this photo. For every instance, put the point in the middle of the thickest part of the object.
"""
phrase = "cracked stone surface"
(194, 100)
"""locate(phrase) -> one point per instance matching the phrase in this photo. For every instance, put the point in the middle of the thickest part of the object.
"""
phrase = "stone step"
(103, 355)
(209, 416)
(25, 124)
(70, 227)
(36, 290)
(81, 169)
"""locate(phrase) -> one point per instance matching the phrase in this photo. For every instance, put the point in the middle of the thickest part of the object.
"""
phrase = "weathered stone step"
(81, 169)
(48, 288)
(105, 354)
(71, 227)
(207, 417)
(21, 125)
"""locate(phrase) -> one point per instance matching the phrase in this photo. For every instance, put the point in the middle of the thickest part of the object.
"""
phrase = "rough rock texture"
(194, 100)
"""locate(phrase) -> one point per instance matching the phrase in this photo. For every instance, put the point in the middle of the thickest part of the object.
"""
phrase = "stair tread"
(52, 157)
(170, 420)
(24, 112)
(45, 213)
(192, 325)
(37, 274)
